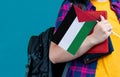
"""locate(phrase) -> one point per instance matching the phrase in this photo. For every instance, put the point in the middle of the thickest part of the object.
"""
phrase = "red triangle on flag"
(89, 15)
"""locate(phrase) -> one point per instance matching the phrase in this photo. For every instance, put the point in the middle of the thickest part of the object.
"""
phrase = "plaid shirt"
(77, 68)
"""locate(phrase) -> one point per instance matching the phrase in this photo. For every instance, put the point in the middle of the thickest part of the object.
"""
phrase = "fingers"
(102, 18)
(104, 21)
(109, 32)
(105, 25)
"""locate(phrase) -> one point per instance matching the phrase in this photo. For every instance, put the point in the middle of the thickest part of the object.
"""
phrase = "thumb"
(102, 18)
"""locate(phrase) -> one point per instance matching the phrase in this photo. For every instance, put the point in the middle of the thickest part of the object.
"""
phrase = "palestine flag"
(74, 29)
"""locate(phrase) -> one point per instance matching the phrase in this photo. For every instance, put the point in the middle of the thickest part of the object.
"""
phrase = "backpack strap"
(38, 51)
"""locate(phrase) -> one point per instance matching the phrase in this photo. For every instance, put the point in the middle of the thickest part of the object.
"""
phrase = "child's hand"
(101, 31)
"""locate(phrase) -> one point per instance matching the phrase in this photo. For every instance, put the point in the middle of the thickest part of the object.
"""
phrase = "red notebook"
(90, 16)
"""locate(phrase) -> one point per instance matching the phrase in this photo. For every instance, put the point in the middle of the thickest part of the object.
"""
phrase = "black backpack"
(39, 64)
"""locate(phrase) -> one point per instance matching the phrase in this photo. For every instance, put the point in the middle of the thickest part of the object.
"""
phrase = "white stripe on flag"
(71, 34)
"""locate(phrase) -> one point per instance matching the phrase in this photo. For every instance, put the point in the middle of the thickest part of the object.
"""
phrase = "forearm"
(101, 32)
(58, 55)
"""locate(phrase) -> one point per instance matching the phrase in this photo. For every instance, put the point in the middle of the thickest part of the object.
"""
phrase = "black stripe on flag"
(68, 20)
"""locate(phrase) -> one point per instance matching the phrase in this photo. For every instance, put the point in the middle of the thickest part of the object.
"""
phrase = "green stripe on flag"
(83, 33)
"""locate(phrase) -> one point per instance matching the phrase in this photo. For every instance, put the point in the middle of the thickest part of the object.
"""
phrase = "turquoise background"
(20, 19)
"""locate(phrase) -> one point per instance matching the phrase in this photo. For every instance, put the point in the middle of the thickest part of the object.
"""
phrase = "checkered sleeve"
(62, 13)
(116, 8)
